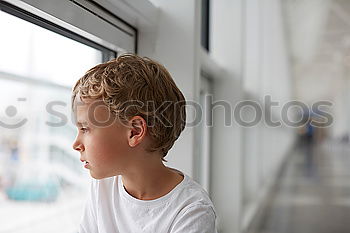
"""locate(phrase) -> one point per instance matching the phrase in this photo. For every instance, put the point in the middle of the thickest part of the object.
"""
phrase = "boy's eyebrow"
(81, 123)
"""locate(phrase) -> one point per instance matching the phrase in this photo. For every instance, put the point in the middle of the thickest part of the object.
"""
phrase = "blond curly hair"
(131, 85)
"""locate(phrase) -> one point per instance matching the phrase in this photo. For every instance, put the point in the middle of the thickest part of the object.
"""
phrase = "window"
(205, 24)
(43, 185)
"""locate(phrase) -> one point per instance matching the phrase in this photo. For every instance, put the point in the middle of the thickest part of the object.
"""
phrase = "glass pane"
(43, 185)
(34, 52)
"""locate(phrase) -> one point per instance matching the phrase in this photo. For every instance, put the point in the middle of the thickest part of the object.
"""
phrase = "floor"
(312, 193)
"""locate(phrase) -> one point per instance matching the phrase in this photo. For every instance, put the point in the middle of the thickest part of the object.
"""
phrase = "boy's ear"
(137, 130)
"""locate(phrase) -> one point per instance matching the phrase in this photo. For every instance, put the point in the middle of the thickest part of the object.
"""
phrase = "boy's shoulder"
(193, 192)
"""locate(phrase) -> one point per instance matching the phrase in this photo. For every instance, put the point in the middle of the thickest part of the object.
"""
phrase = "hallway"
(312, 193)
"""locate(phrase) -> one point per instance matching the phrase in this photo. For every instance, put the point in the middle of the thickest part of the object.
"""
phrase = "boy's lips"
(86, 163)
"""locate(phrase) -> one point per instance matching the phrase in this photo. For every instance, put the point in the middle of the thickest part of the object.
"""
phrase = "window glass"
(43, 185)
(205, 21)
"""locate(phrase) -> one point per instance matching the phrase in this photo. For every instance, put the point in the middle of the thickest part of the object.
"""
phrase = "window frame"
(85, 21)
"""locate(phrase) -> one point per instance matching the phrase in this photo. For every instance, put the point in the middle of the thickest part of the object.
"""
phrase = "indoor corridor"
(311, 194)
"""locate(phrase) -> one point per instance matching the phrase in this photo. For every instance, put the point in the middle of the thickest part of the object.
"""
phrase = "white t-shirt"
(110, 209)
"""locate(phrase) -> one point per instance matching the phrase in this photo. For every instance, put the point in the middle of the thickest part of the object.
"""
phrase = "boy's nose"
(78, 146)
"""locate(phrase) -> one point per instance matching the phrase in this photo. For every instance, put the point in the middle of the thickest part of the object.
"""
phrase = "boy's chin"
(99, 176)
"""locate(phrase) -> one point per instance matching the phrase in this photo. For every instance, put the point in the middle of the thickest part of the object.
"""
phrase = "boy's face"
(102, 140)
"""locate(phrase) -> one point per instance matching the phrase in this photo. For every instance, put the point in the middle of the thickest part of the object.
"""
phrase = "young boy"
(129, 112)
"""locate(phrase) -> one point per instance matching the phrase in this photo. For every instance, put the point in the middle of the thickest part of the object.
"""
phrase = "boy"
(129, 112)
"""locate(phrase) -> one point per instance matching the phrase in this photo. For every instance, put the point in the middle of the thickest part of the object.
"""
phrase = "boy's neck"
(150, 181)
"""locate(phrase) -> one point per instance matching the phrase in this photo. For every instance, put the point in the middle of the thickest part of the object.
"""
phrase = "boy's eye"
(83, 129)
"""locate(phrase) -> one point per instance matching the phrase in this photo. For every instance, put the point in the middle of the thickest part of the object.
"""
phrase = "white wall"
(175, 43)
(276, 81)
(226, 50)
(252, 82)
(267, 72)
(249, 42)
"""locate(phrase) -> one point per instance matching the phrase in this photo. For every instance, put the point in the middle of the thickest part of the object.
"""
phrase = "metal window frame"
(27, 16)
(82, 20)
(30, 13)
